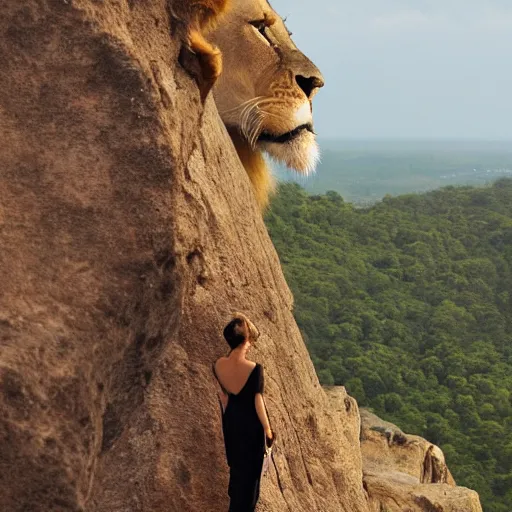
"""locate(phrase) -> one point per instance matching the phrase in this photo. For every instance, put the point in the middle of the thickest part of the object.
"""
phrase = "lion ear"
(201, 59)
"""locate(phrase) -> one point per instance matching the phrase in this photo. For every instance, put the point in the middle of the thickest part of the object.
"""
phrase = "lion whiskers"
(249, 116)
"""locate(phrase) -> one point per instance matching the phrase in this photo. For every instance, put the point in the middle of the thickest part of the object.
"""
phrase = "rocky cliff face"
(128, 234)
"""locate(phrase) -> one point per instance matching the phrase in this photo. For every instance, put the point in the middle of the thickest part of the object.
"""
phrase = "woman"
(245, 422)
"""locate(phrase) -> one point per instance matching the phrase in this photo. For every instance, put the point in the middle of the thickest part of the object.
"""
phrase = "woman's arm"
(262, 414)
(223, 396)
(223, 399)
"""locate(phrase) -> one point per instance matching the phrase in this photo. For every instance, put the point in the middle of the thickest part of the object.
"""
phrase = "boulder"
(403, 472)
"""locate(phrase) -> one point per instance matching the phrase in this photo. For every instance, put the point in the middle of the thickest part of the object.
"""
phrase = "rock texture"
(128, 234)
(407, 473)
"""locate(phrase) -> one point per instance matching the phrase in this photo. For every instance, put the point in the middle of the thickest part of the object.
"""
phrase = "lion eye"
(261, 26)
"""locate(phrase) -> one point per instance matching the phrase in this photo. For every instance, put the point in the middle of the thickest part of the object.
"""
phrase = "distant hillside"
(408, 304)
(365, 171)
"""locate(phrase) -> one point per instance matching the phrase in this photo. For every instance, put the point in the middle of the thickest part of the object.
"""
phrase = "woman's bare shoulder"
(224, 361)
(221, 361)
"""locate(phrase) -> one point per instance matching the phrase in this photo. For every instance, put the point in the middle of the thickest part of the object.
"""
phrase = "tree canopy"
(408, 304)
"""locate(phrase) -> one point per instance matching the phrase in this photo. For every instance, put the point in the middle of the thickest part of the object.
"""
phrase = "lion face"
(264, 93)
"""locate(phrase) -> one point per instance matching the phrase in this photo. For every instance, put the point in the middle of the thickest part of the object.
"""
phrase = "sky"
(434, 69)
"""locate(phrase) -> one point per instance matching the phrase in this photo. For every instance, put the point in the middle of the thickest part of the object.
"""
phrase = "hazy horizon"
(414, 138)
(408, 69)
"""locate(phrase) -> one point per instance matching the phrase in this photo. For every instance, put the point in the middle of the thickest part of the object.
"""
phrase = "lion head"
(265, 91)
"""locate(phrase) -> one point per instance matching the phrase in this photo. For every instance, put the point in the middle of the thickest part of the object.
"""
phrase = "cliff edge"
(401, 472)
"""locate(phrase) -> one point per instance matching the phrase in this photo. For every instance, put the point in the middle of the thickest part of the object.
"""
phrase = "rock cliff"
(128, 234)
(406, 472)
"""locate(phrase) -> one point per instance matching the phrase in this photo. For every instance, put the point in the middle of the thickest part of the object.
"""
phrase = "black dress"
(244, 439)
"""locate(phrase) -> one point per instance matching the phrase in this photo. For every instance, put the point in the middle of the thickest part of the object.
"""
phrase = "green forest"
(408, 304)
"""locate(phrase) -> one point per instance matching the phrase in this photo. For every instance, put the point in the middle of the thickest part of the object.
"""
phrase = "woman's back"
(233, 375)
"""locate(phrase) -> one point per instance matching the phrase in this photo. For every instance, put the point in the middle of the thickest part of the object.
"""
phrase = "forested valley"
(408, 304)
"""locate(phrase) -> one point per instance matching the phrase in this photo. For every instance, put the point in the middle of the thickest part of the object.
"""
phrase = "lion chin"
(300, 154)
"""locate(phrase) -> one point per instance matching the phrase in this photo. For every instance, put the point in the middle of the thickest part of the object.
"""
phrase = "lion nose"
(309, 84)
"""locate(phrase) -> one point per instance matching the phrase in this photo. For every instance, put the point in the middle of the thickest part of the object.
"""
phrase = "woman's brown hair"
(240, 329)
